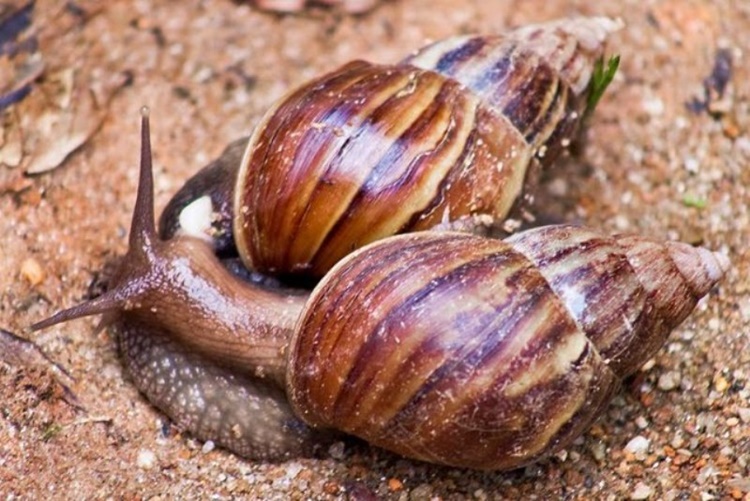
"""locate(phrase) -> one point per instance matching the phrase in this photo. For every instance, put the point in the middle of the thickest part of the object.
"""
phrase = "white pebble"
(692, 164)
(669, 381)
(641, 491)
(146, 459)
(622, 223)
(293, 469)
(208, 446)
(638, 446)
(653, 105)
(744, 414)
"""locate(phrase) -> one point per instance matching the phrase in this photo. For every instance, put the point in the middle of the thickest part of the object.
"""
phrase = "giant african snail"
(440, 346)
(443, 347)
(451, 135)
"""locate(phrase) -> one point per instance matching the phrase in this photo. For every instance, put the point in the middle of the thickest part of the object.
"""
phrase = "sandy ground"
(661, 161)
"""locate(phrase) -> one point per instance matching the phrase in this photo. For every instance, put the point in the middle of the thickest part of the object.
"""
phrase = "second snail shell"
(456, 132)
(486, 354)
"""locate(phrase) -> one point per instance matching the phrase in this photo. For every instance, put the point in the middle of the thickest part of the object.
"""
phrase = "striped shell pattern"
(456, 130)
(486, 354)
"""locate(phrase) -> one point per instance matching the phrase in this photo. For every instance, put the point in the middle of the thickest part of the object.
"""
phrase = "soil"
(666, 155)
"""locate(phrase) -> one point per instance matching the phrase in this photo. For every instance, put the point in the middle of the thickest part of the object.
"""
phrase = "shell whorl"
(535, 76)
(626, 292)
(463, 351)
(368, 150)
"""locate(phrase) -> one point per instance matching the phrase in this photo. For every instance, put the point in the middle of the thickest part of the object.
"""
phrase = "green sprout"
(694, 202)
(51, 431)
(601, 79)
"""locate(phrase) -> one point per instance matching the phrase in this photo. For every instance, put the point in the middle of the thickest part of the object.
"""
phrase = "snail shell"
(486, 354)
(458, 130)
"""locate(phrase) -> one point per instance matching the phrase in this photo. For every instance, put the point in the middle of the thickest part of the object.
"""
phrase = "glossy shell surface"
(482, 353)
(368, 151)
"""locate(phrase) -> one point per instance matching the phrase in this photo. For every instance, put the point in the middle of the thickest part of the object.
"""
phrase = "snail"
(440, 346)
(450, 137)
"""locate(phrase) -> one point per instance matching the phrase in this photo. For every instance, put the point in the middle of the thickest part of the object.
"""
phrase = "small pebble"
(692, 164)
(395, 485)
(599, 451)
(146, 459)
(721, 384)
(638, 446)
(727, 451)
(744, 414)
(336, 450)
(208, 446)
(650, 363)
(422, 492)
(32, 271)
(669, 381)
(641, 422)
(293, 469)
(641, 491)
(653, 105)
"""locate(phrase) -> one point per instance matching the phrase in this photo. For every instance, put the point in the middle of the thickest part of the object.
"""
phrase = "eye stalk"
(180, 287)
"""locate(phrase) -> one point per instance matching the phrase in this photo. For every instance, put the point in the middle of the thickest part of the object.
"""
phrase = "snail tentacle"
(180, 286)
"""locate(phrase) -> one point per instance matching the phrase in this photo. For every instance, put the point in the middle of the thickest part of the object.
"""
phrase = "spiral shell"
(481, 353)
(370, 150)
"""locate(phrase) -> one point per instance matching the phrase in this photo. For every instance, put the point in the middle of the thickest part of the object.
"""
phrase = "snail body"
(443, 347)
(457, 131)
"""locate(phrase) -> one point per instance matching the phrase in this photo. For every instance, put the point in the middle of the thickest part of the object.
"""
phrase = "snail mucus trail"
(211, 350)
